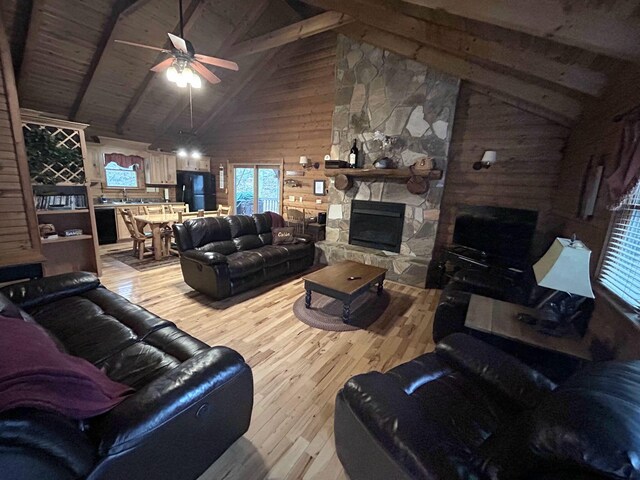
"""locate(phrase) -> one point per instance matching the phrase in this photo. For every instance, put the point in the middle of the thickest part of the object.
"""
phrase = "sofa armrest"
(507, 375)
(303, 238)
(32, 293)
(187, 401)
(205, 258)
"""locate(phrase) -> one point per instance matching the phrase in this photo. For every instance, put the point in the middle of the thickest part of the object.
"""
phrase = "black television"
(504, 233)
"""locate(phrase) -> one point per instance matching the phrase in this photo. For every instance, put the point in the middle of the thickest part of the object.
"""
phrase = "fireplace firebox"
(376, 225)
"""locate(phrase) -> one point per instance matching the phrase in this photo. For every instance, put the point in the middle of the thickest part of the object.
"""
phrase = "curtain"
(124, 161)
(626, 175)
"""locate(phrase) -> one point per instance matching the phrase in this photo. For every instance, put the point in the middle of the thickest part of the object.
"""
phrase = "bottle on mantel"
(353, 155)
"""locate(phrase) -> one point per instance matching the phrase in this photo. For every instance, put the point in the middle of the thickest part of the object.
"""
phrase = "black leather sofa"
(470, 411)
(223, 256)
(191, 401)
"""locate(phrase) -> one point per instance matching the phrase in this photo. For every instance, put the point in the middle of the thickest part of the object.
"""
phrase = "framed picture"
(318, 187)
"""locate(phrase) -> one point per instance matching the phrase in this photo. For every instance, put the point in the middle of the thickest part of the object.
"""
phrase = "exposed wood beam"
(291, 33)
(192, 13)
(253, 13)
(468, 46)
(121, 10)
(559, 104)
(263, 70)
(572, 23)
(35, 20)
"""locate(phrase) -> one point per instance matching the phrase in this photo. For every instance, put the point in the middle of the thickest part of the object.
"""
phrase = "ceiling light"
(182, 153)
(187, 73)
(196, 155)
(196, 82)
(172, 74)
(181, 80)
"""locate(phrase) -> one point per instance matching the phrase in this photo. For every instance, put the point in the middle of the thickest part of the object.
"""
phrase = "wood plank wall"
(596, 135)
(19, 237)
(529, 152)
(289, 115)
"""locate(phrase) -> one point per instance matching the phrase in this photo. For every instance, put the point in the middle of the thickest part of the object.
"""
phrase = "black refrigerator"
(198, 190)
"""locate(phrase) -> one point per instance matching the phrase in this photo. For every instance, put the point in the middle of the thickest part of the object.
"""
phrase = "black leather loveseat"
(470, 411)
(223, 256)
(191, 401)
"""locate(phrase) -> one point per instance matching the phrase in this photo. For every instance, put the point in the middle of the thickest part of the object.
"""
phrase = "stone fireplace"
(377, 90)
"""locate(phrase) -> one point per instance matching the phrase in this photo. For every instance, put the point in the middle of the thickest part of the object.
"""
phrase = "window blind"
(620, 270)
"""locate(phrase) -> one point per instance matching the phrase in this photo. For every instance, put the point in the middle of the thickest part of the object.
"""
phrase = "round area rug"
(326, 312)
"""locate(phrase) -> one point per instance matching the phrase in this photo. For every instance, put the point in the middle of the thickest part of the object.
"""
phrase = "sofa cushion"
(247, 242)
(241, 264)
(241, 225)
(225, 247)
(273, 255)
(266, 238)
(263, 222)
(206, 230)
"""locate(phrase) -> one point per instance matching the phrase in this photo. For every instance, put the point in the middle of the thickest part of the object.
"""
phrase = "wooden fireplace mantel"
(397, 173)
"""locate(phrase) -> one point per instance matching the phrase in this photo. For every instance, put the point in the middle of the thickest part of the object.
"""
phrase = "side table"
(316, 230)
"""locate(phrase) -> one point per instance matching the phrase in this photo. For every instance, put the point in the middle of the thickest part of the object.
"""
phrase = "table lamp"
(565, 270)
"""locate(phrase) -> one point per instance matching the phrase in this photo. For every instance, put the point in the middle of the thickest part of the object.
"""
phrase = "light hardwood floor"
(297, 369)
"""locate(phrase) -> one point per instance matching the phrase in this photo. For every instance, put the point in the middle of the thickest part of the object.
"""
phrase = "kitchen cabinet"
(160, 169)
(189, 164)
(94, 164)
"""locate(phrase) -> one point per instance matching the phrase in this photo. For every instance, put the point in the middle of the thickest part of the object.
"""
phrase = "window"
(121, 171)
(620, 270)
(256, 189)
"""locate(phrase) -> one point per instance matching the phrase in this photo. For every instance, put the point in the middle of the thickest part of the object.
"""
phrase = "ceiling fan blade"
(218, 62)
(206, 74)
(178, 43)
(163, 65)
(149, 47)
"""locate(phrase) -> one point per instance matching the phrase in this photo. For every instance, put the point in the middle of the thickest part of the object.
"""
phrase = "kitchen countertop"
(132, 204)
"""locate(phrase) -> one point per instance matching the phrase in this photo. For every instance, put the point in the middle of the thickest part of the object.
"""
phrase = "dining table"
(158, 222)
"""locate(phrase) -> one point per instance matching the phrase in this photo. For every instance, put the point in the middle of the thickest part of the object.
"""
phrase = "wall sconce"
(304, 161)
(289, 182)
(489, 157)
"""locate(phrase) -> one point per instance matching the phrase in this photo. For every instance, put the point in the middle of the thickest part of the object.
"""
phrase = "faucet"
(124, 194)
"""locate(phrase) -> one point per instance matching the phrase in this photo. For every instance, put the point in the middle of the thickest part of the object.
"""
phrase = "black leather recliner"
(224, 256)
(191, 401)
(470, 411)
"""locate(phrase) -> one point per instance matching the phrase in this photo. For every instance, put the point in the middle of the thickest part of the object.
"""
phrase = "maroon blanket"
(277, 221)
(34, 373)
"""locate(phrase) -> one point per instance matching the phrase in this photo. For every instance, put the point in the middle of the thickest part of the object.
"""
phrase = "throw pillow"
(283, 236)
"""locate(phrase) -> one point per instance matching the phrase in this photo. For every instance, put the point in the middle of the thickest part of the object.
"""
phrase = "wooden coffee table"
(334, 282)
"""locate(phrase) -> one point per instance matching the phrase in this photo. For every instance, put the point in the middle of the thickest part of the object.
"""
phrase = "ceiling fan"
(185, 64)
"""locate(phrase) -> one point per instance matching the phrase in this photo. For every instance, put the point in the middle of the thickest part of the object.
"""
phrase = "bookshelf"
(68, 207)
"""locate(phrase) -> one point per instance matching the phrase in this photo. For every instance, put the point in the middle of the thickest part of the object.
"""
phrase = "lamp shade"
(565, 267)
(304, 160)
(489, 157)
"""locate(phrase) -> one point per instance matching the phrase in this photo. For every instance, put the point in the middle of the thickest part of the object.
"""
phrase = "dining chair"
(211, 213)
(139, 238)
(178, 208)
(153, 209)
(224, 210)
(296, 219)
(187, 215)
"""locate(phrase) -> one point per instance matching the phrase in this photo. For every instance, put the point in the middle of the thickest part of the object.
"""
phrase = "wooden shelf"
(62, 211)
(398, 173)
(73, 238)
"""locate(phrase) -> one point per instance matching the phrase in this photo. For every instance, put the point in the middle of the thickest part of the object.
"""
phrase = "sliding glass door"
(256, 189)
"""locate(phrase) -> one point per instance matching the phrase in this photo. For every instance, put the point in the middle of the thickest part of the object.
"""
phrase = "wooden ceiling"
(549, 59)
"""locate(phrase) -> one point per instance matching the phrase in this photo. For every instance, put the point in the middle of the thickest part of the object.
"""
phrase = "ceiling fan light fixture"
(181, 81)
(172, 74)
(196, 81)
(187, 74)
